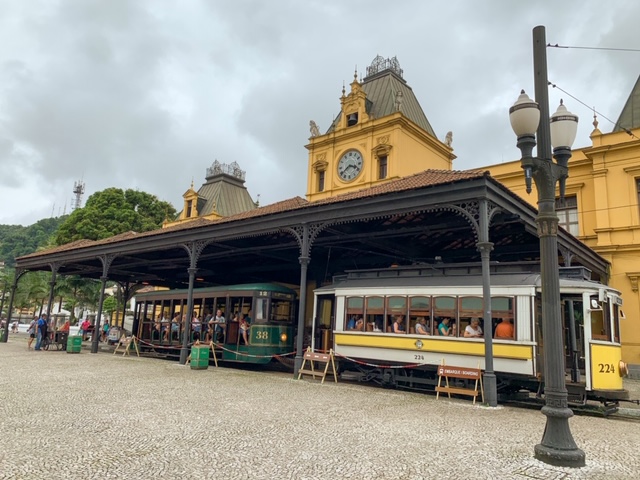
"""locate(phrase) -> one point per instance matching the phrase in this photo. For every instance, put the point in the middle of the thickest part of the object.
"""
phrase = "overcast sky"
(148, 93)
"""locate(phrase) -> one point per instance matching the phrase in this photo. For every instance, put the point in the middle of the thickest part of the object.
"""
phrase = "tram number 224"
(606, 368)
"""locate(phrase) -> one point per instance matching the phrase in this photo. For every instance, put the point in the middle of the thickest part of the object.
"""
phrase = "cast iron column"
(186, 333)
(304, 262)
(16, 277)
(557, 446)
(52, 284)
(95, 338)
(5, 337)
(485, 247)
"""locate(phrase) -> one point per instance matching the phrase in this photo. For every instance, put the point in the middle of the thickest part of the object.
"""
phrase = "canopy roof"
(417, 220)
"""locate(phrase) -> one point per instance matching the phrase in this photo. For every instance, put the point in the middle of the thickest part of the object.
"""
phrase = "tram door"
(573, 334)
(325, 322)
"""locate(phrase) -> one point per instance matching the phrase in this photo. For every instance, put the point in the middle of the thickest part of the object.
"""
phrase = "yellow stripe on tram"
(431, 344)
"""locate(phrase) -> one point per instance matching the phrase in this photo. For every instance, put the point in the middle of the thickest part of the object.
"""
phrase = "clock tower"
(381, 134)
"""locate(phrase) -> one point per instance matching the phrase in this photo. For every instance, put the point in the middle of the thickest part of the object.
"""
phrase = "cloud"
(139, 95)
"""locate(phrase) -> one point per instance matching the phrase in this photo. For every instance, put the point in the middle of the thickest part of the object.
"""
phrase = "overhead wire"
(593, 109)
(613, 49)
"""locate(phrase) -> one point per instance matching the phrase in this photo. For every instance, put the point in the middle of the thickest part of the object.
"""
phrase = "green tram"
(160, 320)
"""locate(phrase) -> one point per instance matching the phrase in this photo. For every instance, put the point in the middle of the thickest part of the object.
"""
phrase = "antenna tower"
(78, 191)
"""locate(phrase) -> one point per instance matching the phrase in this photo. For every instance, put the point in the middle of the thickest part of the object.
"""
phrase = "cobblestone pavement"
(104, 416)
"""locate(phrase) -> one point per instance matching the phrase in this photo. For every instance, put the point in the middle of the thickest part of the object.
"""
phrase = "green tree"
(109, 305)
(114, 211)
(33, 291)
(16, 240)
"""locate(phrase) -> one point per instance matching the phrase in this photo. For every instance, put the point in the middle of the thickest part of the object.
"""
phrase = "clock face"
(350, 165)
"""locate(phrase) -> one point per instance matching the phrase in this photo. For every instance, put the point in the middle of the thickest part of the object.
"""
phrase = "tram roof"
(514, 279)
(247, 287)
(412, 220)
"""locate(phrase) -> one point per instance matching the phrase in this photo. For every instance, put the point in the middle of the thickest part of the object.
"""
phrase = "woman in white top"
(473, 330)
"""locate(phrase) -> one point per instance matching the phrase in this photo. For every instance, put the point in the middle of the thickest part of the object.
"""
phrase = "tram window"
(600, 321)
(470, 307)
(375, 314)
(239, 305)
(281, 311)
(420, 307)
(397, 306)
(209, 309)
(616, 323)
(260, 311)
(445, 307)
(502, 307)
(355, 309)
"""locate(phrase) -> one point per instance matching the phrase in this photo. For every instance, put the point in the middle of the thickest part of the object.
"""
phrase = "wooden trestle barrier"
(311, 357)
(126, 342)
(446, 372)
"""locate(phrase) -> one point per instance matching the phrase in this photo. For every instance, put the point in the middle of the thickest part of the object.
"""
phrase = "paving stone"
(104, 416)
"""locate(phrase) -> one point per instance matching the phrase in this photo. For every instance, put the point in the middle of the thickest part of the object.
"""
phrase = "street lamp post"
(557, 446)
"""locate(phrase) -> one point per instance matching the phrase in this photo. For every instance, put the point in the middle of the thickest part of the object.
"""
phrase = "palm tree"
(33, 291)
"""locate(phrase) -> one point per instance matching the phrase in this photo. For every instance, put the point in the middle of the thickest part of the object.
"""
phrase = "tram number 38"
(262, 335)
(606, 368)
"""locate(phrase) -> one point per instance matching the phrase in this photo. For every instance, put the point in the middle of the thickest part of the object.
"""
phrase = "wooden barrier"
(312, 357)
(446, 372)
(126, 342)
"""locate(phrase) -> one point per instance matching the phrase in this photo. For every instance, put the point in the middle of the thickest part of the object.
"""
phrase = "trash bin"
(200, 357)
(74, 344)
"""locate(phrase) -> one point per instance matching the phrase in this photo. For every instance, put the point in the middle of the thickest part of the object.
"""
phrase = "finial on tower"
(595, 119)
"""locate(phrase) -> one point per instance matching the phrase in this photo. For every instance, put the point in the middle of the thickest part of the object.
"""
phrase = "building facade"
(380, 134)
(602, 208)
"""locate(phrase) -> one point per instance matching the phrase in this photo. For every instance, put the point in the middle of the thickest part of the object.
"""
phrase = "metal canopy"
(375, 228)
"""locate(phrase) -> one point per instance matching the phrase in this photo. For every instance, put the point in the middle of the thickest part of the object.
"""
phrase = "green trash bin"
(74, 343)
(200, 357)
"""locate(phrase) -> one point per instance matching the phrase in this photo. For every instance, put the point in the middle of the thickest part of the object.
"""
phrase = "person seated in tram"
(65, 327)
(473, 330)
(196, 326)
(398, 325)
(504, 329)
(421, 326)
(244, 327)
(355, 324)
(155, 332)
(175, 326)
(218, 324)
(443, 329)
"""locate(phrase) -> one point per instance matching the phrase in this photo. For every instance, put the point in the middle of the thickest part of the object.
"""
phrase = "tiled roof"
(419, 180)
(630, 115)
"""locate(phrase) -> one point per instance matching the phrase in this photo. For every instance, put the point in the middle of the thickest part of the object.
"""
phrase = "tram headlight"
(283, 337)
(623, 369)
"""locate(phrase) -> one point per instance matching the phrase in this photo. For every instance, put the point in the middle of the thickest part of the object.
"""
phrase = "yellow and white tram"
(358, 316)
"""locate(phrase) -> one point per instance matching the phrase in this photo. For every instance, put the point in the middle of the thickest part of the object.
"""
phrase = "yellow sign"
(605, 364)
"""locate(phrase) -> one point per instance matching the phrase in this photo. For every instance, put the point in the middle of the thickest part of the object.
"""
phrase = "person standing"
(105, 331)
(32, 332)
(84, 328)
(41, 331)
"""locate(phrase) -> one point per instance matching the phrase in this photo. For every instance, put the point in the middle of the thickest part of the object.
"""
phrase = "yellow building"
(381, 134)
(602, 208)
